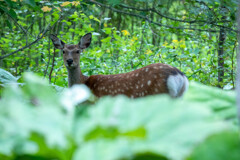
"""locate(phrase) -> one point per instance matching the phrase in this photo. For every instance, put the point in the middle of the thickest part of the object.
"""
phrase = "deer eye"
(63, 52)
(78, 52)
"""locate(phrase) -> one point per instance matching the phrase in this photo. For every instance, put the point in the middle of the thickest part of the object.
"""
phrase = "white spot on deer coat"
(149, 82)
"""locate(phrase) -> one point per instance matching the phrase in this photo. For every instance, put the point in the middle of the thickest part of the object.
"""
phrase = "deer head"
(71, 53)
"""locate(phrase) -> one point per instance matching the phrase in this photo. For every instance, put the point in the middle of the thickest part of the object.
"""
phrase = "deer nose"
(69, 61)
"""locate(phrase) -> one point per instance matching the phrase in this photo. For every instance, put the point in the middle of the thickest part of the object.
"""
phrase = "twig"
(167, 17)
(45, 73)
(38, 39)
(53, 61)
(17, 23)
(151, 21)
(27, 46)
(49, 55)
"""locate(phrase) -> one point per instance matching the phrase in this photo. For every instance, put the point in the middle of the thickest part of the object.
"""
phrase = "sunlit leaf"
(65, 3)
(46, 9)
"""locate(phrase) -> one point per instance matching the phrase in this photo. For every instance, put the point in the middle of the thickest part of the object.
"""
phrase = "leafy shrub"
(36, 122)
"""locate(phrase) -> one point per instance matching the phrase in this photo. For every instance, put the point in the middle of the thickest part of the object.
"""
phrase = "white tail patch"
(177, 85)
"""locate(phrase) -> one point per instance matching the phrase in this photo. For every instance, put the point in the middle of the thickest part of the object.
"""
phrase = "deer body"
(153, 79)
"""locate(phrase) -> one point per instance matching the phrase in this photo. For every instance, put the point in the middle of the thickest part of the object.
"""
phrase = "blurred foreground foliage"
(39, 122)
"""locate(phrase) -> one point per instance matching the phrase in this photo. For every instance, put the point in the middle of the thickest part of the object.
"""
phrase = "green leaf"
(31, 3)
(91, 16)
(108, 30)
(221, 146)
(34, 109)
(221, 102)
(12, 13)
(9, 3)
(168, 126)
(8, 24)
(34, 124)
(69, 23)
(106, 40)
(3, 9)
(36, 89)
(6, 77)
(114, 2)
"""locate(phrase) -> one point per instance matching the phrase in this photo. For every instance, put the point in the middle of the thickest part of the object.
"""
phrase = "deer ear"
(85, 41)
(58, 43)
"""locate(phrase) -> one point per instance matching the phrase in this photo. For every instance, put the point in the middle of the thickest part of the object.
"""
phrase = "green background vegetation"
(198, 37)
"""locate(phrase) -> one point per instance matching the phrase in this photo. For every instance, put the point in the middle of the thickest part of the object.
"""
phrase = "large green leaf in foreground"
(37, 123)
(156, 124)
(6, 77)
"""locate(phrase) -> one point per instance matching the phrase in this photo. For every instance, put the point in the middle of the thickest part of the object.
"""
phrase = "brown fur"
(145, 81)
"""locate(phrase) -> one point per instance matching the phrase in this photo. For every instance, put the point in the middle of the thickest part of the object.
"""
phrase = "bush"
(36, 122)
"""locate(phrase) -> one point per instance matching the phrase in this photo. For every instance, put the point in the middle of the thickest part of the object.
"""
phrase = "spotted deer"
(153, 79)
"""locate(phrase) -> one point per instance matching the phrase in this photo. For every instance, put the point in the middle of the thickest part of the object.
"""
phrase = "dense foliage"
(42, 119)
(37, 123)
(198, 37)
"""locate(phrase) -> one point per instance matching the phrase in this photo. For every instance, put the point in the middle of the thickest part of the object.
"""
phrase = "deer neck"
(75, 76)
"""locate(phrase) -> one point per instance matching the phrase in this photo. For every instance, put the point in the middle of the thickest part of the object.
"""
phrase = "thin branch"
(49, 55)
(150, 21)
(159, 24)
(162, 15)
(20, 26)
(45, 73)
(53, 62)
(27, 46)
(38, 38)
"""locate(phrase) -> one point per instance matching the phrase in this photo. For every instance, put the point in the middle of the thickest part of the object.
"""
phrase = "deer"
(157, 78)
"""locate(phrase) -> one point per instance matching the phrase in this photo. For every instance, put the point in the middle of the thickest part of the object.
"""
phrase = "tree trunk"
(238, 64)
(222, 37)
